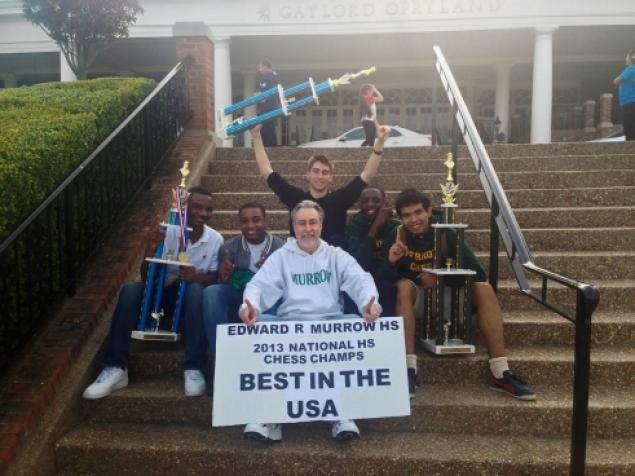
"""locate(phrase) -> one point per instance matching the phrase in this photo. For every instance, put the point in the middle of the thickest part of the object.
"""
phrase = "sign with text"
(292, 371)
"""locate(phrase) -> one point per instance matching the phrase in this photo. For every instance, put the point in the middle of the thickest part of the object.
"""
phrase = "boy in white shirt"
(202, 249)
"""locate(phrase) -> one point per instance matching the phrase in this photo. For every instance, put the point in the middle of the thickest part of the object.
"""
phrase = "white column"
(222, 78)
(502, 98)
(249, 89)
(66, 73)
(542, 85)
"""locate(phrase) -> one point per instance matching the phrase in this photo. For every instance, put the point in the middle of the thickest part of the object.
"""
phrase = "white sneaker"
(194, 383)
(263, 431)
(109, 380)
(344, 430)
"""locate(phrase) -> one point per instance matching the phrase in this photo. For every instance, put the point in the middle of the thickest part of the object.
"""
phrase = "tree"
(82, 28)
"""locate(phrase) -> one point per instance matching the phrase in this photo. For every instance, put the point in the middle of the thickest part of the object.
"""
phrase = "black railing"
(505, 226)
(41, 258)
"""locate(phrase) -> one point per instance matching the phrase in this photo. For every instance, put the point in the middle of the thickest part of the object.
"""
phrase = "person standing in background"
(368, 97)
(268, 79)
(626, 84)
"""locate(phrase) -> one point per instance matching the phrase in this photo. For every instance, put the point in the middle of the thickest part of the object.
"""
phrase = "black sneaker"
(511, 384)
(412, 381)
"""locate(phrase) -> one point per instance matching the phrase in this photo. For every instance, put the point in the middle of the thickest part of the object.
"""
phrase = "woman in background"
(368, 97)
(626, 83)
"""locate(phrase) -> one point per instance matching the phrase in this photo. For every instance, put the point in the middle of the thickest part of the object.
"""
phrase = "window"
(355, 134)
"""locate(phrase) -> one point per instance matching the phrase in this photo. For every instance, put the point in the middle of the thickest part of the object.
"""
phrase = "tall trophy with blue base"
(228, 126)
(449, 322)
(171, 251)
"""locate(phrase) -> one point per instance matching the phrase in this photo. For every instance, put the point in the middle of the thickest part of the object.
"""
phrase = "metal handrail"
(505, 226)
(43, 255)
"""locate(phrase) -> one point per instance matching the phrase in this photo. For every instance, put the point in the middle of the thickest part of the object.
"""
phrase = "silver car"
(399, 137)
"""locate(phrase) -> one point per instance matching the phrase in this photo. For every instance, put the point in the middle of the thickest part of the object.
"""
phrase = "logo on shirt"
(311, 279)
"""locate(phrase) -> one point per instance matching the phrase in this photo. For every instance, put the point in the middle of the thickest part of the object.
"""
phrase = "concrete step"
(547, 151)
(538, 239)
(616, 295)
(563, 239)
(539, 365)
(395, 181)
(442, 408)
(348, 166)
(308, 449)
(588, 265)
(466, 198)
(547, 328)
(561, 217)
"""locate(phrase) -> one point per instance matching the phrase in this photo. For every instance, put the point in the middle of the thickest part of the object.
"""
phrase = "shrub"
(48, 129)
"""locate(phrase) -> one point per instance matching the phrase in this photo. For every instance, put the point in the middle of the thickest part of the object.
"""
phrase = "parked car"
(399, 137)
(615, 137)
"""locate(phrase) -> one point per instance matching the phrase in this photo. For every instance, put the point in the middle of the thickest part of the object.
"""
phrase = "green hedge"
(48, 129)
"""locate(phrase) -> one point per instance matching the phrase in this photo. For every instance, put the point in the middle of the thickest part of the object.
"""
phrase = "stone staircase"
(576, 205)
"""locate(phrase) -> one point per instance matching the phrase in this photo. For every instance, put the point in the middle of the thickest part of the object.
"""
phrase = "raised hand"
(398, 249)
(226, 268)
(383, 132)
(256, 129)
(371, 311)
(383, 215)
(248, 313)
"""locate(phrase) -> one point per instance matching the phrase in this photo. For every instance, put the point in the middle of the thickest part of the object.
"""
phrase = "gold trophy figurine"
(185, 172)
(449, 163)
(450, 188)
(182, 196)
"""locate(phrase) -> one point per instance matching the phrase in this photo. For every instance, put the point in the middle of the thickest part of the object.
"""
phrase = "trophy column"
(170, 251)
(448, 321)
(228, 126)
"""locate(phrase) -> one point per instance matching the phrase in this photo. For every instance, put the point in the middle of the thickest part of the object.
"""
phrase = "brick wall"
(201, 79)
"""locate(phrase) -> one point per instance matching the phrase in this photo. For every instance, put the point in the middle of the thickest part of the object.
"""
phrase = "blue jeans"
(387, 299)
(126, 316)
(220, 306)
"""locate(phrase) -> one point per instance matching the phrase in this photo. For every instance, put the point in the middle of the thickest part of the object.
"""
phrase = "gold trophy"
(449, 324)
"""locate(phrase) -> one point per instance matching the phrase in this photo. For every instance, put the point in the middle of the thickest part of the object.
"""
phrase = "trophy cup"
(170, 251)
(230, 127)
(449, 327)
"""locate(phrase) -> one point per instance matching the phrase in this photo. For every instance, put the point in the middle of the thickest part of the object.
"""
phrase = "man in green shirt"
(365, 234)
(411, 250)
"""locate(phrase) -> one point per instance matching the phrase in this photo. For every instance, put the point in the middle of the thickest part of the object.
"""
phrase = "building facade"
(526, 68)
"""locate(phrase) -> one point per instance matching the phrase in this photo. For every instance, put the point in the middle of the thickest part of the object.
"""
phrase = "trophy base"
(162, 336)
(169, 261)
(454, 346)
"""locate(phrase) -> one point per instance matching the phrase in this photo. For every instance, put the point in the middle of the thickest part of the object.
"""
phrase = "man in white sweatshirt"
(307, 275)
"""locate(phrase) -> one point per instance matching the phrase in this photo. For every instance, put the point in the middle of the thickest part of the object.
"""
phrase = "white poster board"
(293, 371)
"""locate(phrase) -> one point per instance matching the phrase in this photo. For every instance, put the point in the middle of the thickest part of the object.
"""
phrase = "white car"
(399, 137)
(615, 137)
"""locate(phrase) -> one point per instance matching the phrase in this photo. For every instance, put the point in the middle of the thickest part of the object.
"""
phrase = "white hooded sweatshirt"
(309, 284)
